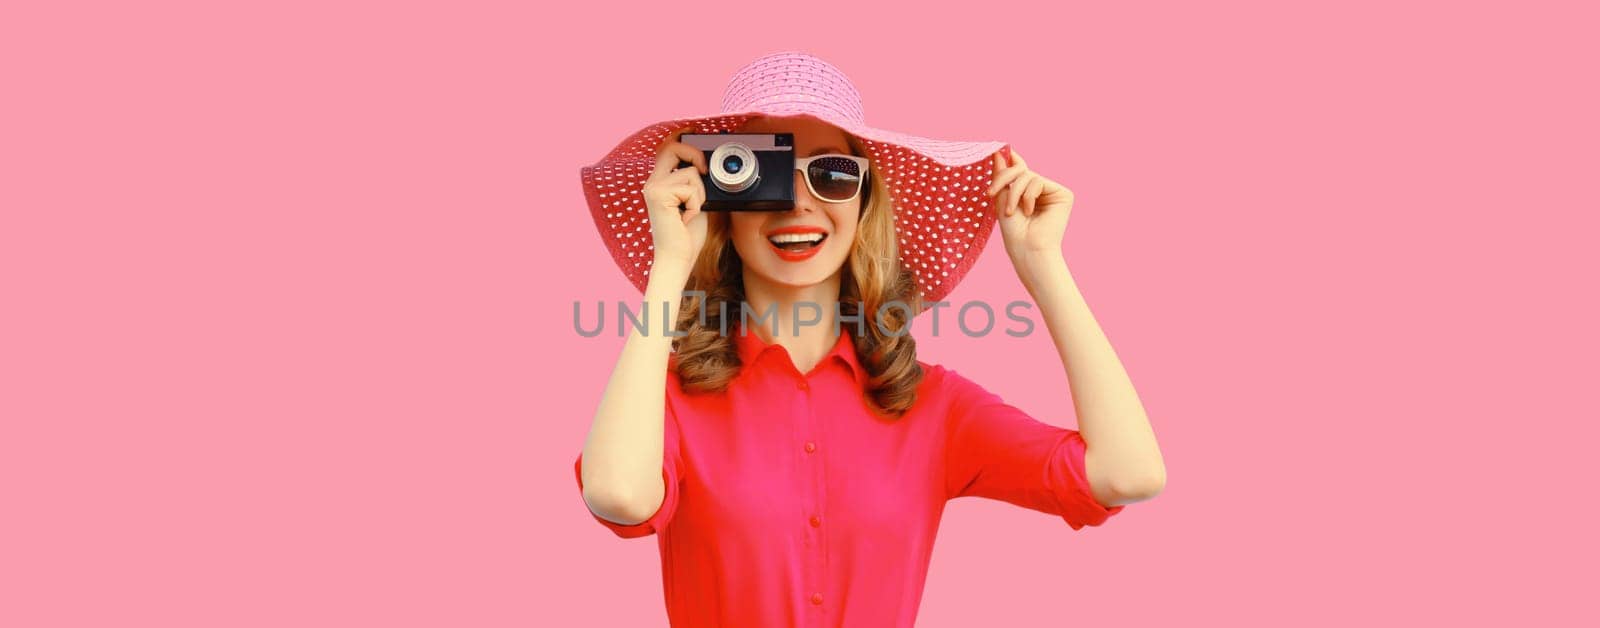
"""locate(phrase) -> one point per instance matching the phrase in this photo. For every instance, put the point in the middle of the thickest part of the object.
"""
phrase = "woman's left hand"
(1032, 211)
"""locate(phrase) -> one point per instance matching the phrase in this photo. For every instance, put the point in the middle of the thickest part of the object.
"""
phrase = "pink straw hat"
(938, 187)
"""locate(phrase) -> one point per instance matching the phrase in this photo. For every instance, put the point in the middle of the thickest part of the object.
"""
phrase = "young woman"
(794, 470)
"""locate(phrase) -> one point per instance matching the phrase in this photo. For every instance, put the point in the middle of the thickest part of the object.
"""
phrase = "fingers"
(1003, 175)
(677, 186)
(686, 191)
(1016, 189)
(697, 197)
(674, 151)
(695, 190)
(676, 197)
(1031, 196)
(1011, 192)
(1016, 159)
(680, 176)
(694, 215)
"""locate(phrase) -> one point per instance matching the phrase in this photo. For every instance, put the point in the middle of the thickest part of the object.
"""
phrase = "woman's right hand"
(677, 235)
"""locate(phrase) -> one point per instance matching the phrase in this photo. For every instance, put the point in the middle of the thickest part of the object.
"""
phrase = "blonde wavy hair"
(872, 276)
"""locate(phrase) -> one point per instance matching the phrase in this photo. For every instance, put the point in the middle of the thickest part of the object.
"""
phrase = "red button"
(810, 447)
(804, 386)
(816, 598)
(816, 522)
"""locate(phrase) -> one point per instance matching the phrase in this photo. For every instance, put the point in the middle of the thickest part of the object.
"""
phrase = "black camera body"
(746, 171)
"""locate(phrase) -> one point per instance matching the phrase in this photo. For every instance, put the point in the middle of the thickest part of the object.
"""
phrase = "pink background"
(288, 293)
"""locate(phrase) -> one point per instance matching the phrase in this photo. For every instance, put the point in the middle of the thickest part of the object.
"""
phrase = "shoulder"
(941, 377)
(942, 385)
(949, 390)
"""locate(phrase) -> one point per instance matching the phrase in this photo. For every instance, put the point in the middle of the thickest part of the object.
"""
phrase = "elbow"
(1140, 488)
(620, 499)
(620, 506)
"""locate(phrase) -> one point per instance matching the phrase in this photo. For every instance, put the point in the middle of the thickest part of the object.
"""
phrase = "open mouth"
(797, 246)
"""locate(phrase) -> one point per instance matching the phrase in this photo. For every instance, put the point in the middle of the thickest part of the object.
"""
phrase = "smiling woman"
(795, 473)
(821, 252)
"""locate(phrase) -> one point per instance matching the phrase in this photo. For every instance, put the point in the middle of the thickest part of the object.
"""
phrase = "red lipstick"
(785, 248)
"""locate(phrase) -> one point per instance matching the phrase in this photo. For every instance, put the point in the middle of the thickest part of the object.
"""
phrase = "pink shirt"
(789, 503)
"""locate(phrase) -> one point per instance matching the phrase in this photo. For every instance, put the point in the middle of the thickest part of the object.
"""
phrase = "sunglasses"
(832, 177)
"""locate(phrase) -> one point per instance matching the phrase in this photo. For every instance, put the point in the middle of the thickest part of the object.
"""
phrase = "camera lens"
(734, 168)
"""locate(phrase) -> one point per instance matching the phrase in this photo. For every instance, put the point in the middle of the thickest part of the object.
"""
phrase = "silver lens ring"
(739, 180)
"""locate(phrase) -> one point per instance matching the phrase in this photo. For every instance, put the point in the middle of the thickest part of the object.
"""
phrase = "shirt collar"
(751, 347)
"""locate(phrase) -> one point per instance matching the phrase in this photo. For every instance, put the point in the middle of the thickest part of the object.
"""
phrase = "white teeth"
(796, 237)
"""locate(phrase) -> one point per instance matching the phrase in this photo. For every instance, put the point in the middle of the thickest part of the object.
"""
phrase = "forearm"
(1123, 459)
(622, 457)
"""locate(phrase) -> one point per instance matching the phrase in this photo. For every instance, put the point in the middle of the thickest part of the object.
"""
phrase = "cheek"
(847, 222)
(741, 228)
(745, 232)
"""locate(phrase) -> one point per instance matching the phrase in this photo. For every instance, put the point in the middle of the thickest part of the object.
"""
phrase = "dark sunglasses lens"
(834, 178)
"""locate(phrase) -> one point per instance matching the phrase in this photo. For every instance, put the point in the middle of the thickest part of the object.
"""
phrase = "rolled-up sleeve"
(997, 451)
(671, 477)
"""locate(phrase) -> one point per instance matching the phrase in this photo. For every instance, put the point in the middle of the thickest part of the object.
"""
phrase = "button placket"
(820, 428)
(816, 555)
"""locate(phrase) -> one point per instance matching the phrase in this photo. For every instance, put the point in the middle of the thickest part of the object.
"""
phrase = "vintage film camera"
(746, 171)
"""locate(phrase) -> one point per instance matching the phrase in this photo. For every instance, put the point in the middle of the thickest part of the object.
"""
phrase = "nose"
(802, 194)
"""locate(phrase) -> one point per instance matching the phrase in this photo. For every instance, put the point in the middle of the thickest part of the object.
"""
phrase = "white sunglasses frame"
(801, 163)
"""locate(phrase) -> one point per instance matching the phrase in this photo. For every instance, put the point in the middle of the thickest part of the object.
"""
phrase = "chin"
(796, 277)
(802, 274)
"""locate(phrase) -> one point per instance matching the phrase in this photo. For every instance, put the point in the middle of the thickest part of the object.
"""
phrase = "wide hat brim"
(943, 214)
